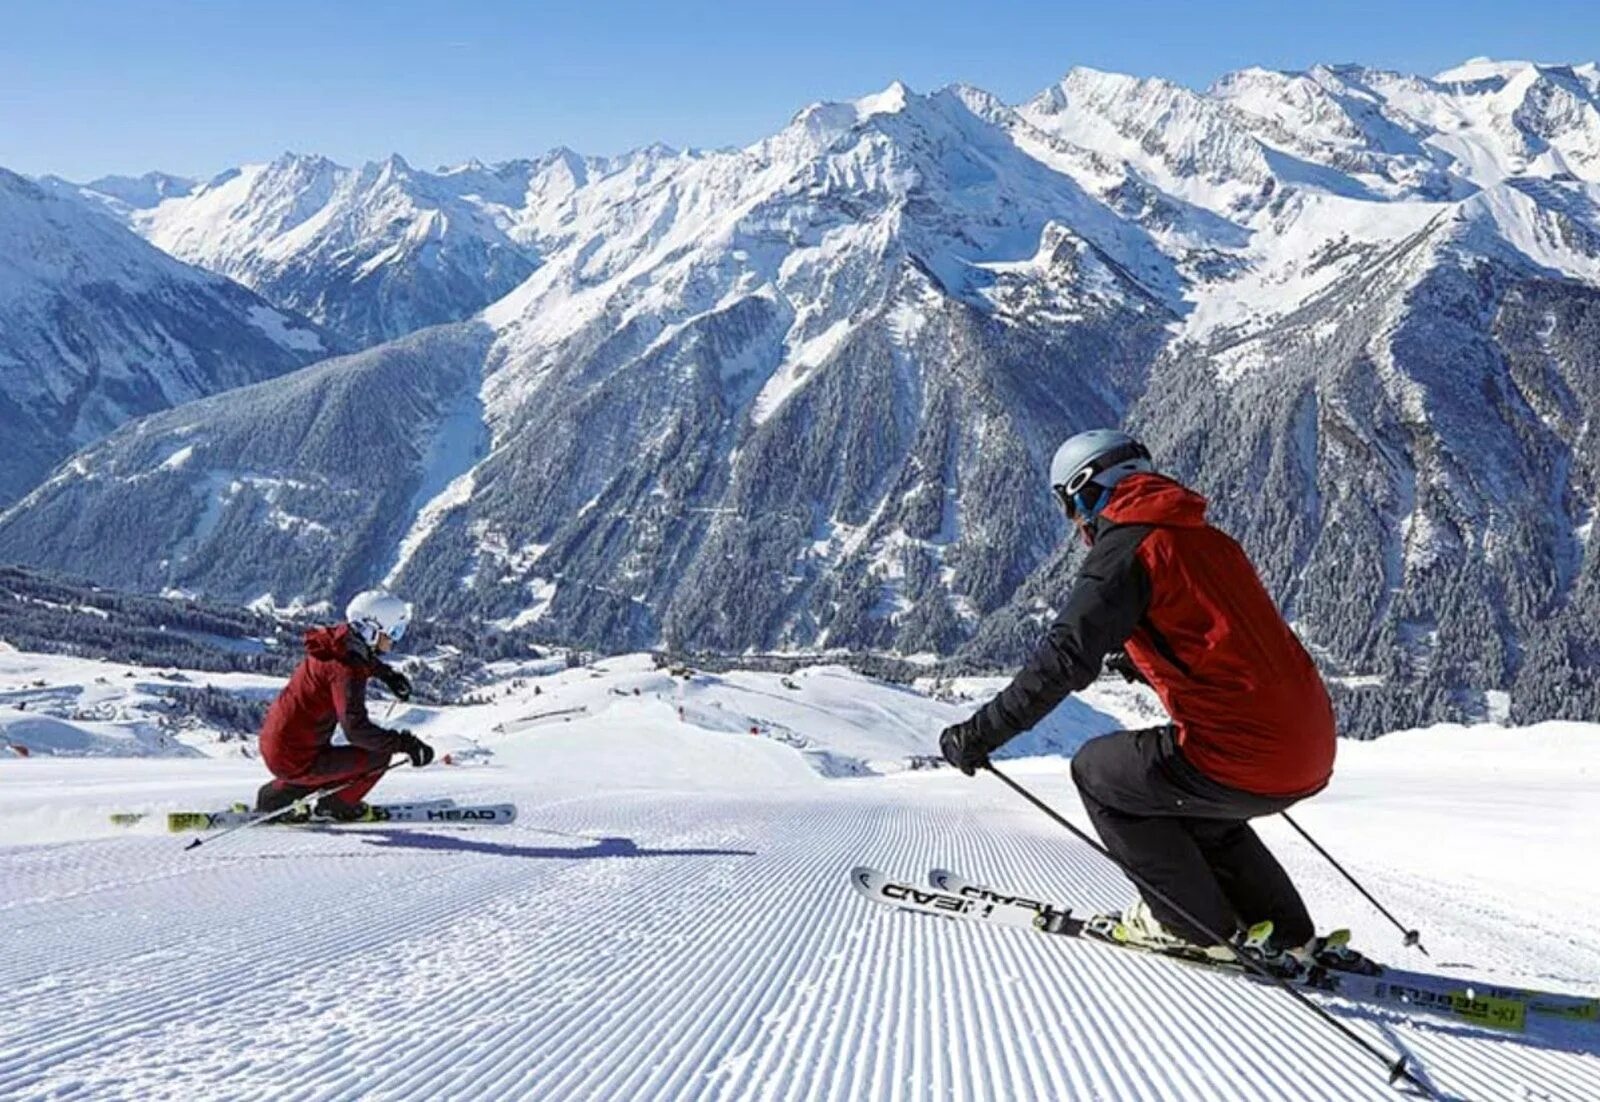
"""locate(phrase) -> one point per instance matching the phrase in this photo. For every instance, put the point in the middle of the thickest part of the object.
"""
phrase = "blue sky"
(193, 87)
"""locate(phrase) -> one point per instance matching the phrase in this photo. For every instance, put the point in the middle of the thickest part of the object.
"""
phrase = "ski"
(434, 814)
(428, 811)
(1498, 1006)
(995, 908)
(992, 911)
(241, 813)
(480, 815)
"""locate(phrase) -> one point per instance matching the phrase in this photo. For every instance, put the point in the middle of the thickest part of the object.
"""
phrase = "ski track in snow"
(687, 946)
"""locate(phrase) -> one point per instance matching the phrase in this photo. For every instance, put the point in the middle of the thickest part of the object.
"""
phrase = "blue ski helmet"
(1089, 464)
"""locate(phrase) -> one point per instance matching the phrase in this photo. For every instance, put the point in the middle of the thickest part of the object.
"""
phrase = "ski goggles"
(395, 631)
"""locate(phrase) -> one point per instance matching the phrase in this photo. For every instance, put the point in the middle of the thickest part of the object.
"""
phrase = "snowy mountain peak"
(888, 101)
(396, 166)
(97, 327)
(1479, 70)
(1186, 143)
(144, 192)
(312, 164)
(371, 252)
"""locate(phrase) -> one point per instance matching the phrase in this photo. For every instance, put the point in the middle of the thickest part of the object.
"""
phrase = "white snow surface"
(58, 705)
(670, 918)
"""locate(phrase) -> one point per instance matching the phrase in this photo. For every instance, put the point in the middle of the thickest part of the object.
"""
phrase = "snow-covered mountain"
(372, 253)
(817, 338)
(1387, 387)
(802, 394)
(123, 195)
(97, 327)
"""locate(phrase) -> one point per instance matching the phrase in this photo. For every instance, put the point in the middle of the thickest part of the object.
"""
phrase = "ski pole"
(1397, 1067)
(301, 802)
(1412, 937)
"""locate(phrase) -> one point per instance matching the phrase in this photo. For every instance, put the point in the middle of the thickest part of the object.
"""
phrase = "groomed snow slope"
(670, 918)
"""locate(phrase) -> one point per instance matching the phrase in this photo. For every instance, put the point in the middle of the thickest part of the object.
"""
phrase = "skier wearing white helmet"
(377, 614)
(1165, 598)
(327, 690)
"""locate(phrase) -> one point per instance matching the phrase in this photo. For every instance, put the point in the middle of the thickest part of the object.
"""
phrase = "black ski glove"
(962, 746)
(1119, 663)
(395, 681)
(414, 748)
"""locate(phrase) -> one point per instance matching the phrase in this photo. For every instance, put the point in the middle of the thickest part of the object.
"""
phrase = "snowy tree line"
(51, 614)
(231, 713)
(54, 615)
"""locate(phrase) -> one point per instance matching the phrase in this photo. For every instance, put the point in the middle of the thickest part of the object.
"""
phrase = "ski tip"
(865, 877)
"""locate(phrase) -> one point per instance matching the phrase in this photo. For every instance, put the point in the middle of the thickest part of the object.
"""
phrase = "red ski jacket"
(1182, 598)
(328, 690)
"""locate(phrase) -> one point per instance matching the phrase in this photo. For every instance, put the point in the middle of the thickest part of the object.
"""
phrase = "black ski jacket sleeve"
(1108, 599)
(350, 706)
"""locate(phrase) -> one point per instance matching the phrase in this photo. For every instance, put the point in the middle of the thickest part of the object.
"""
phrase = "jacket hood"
(333, 643)
(1154, 499)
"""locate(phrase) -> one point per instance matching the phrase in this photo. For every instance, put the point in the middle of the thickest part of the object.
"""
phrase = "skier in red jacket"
(328, 689)
(1167, 599)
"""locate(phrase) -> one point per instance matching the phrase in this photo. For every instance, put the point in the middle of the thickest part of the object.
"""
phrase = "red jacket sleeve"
(350, 704)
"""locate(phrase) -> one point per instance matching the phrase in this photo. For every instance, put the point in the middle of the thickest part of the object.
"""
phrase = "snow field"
(670, 918)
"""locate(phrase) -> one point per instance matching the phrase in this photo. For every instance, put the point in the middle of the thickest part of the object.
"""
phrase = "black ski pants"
(1187, 835)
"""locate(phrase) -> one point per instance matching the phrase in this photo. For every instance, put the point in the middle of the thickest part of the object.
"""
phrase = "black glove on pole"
(419, 752)
(963, 747)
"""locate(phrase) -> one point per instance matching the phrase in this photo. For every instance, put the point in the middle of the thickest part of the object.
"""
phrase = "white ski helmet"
(1091, 463)
(375, 611)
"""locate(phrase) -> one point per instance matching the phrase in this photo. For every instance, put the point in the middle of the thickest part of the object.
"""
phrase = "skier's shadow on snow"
(1553, 1036)
(599, 849)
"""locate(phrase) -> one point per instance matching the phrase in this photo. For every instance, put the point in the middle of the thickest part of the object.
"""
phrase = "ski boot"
(1138, 928)
(1333, 952)
(272, 797)
(1258, 945)
(333, 809)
